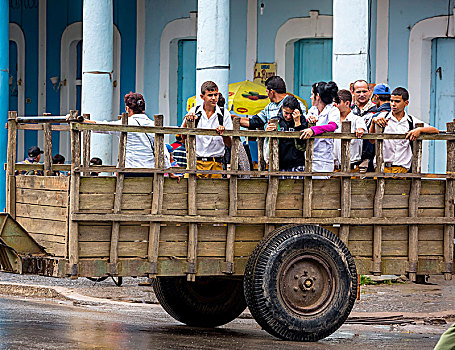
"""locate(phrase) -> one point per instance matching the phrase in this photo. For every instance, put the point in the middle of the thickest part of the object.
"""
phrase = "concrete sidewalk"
(432, 303)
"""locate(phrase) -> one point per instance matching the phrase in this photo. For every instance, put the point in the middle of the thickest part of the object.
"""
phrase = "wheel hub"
(306, 284)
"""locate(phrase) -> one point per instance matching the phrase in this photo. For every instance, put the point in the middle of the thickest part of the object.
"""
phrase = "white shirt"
(398, 152)
(356, 145)
(323, 148)
(140, 146)
(211, 146)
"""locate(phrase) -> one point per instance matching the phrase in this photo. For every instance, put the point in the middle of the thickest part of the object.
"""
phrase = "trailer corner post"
(75, 182)
(4, 89)
(10, 165)
(377, 206)
(449, 211)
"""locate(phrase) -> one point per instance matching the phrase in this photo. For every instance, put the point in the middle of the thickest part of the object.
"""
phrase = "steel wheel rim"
(306, 284)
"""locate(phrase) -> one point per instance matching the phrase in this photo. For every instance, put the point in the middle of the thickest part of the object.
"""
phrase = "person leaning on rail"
(140, 147)
(398, 153)
(327, 118)
(210, 149)
(291, 151)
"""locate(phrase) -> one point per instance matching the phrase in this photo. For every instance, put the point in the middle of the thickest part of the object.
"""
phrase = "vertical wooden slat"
(229, 263)
(86, 137)
(192, 210)
(272, 189)
(345, 181)
(120, 177)
(413, 243)
(73, 230)
(308, 180)
(261, 160)
(157, 199)
(449, 206)
(10, 165)
(377, 208)
(47, 149)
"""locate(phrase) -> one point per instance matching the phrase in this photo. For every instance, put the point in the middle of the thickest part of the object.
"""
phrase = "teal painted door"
(186, 75)
(312, 63)
(442, 97)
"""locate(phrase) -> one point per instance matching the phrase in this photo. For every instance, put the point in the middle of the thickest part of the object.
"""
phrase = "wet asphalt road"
(34, 324)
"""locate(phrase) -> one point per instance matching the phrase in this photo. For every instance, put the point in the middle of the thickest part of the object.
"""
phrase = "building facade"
(154, 50)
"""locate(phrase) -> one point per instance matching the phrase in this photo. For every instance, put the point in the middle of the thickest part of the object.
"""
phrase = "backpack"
(198, 112)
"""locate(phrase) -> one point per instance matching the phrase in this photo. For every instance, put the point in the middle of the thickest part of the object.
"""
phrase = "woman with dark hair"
(140, 147)
(327, 118)
(291, 151)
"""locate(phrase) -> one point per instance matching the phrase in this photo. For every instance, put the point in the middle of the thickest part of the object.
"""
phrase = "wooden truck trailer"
(289, 249)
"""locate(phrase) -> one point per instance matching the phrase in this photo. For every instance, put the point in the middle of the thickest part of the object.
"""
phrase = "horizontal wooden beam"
(262, 219)
(248, 133)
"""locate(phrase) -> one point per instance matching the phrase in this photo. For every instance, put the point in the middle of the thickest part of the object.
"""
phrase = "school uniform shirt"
(140, 146)
(357, 122)
(398, 152)
(323, 148)
(211, 146)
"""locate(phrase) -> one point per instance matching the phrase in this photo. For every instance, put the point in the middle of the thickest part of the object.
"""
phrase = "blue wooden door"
(186, 75)
(442, 97)
(312, 63)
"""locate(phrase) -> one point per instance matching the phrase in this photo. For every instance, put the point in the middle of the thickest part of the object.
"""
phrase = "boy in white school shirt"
(357, 126)
(398, 153)
(210, 149)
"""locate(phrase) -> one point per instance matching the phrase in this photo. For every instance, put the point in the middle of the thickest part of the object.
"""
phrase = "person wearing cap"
(381, 97)
(178, 142)
(34, 156)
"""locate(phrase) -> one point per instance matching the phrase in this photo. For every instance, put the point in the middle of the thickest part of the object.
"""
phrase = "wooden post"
(449, 206)
(414, 194)
(86, 137)
(192, 210)
(345, 181)
(230, 239)
(73, 231)
(10, 165)
(272, 190)
(120, 177)
(157, 199)
(261, 160)
(377, 206)
(47, 149)
(308, 180)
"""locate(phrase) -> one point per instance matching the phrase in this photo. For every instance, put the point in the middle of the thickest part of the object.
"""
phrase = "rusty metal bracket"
(228, 268)
(191, 268)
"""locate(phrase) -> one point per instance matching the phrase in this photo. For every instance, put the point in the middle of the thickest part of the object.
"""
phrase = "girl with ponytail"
(327, 118)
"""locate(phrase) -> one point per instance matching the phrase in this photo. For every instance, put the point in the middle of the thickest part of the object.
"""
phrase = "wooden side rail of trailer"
(305, 239)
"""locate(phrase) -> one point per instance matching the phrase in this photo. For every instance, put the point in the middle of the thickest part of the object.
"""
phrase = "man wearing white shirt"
(398, 153)
(210, 149)
(357, 126)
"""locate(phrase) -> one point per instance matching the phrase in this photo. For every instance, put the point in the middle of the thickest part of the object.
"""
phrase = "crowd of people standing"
(365, 107)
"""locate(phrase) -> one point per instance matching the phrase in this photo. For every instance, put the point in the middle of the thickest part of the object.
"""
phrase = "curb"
(67, 294)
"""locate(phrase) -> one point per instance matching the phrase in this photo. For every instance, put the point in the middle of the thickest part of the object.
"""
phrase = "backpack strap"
(410, 122)
(198, 112)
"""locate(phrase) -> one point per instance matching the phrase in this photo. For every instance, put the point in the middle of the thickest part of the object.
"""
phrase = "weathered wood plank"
(449, 206)
(47, 156)
(48, 227)
(41, 212)
(50, 183)
(42, 197)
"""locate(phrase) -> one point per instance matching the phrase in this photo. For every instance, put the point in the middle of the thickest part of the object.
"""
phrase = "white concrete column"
(213, 45)
(97, 63)
(350, 41)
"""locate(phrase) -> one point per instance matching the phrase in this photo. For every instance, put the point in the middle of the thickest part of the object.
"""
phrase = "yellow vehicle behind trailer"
(289, 249)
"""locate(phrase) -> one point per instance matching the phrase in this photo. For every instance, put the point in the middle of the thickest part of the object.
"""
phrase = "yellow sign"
(263, 71)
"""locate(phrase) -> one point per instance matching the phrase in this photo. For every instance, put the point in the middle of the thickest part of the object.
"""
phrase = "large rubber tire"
(300, 283)
(207, 302)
